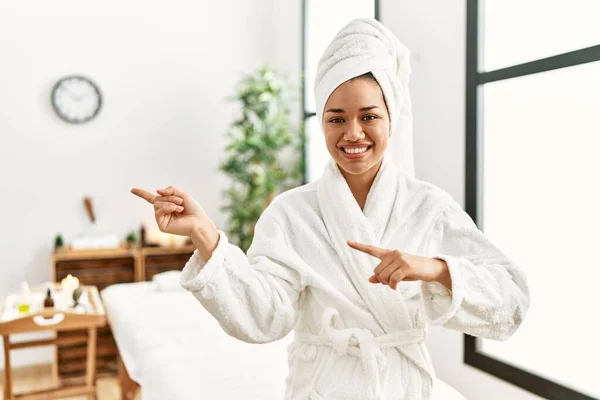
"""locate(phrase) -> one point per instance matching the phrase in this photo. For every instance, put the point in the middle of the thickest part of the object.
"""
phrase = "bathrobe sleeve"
(254, 297)
(489, 296)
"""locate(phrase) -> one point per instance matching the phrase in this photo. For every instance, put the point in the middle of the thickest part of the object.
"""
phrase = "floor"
(40, 377)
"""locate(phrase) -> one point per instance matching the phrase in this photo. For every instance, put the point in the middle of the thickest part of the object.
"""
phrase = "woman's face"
(356, 124)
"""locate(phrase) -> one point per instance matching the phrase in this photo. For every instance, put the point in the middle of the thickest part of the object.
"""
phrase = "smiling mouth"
(356, 150)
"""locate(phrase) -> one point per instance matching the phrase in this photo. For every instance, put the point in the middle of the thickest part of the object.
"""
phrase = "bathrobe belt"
(361, 343)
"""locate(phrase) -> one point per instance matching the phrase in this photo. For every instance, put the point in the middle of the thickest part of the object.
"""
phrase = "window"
(321, 21)
(533, 187)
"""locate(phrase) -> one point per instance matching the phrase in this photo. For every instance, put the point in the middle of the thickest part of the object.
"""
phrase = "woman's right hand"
(175, 211)
(178, 213)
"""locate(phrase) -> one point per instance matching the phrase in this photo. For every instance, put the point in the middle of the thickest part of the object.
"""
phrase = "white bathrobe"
(355, 340)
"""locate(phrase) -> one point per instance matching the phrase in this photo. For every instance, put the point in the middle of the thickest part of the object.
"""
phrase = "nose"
(354, 132)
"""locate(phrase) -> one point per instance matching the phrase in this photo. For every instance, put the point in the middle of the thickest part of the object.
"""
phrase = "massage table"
(170, 347)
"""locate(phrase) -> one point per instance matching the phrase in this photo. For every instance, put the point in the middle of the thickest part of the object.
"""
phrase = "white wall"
(435, 31)
(164, 69)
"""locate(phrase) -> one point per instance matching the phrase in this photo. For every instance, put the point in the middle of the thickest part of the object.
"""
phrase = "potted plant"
(264, 154)
(131, 239)
(59, 242)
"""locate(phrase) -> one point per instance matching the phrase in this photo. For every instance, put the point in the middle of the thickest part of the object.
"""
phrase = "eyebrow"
(339, 110)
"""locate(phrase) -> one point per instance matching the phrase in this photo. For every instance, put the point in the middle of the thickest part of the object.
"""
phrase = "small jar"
(24, 298)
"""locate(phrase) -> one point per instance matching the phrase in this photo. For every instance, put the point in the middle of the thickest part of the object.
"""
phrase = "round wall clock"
(76, 99)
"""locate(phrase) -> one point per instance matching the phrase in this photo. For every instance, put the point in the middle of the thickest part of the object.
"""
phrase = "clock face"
(76, 99)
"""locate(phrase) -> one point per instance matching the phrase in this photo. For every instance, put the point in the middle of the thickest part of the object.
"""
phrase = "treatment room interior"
(505, 101)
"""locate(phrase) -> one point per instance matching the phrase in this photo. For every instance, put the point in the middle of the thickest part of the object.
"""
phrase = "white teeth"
(355, 150)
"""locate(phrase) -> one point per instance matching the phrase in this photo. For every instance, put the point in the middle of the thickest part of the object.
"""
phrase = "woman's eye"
(336, 120)
(369, 117)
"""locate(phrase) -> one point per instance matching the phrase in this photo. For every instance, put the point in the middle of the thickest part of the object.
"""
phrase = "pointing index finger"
(144, 194)
(368, 249)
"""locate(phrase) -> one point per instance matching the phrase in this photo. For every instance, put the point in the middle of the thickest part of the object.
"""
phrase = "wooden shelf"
(156, 251)
(92, 254)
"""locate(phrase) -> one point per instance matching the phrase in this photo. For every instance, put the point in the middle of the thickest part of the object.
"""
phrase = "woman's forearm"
(443, 275)
(206, 238)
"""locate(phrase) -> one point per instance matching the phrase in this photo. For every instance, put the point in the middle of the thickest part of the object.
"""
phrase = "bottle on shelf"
(142, 236)
(48, 301)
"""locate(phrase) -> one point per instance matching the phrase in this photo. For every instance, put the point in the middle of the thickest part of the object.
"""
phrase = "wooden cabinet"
(102, 268)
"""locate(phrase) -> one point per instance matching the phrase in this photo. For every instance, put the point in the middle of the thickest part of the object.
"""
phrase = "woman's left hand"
(397, 266)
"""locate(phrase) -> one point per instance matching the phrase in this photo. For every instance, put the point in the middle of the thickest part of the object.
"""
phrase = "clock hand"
(72, 94)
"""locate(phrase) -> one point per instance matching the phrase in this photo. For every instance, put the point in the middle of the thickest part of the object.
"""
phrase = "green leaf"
(261, 133)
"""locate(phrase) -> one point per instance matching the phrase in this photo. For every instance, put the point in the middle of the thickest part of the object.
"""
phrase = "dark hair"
(367, 77)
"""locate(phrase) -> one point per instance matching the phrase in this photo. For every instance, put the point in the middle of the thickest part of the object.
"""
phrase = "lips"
(355, 151)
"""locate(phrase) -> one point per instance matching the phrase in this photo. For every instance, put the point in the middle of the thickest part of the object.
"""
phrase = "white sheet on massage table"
(175, 349)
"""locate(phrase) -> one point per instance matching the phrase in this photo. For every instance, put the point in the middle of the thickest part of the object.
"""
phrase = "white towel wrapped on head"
(365, 45)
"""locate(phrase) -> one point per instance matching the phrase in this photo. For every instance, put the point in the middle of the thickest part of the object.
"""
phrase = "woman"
(361, 261)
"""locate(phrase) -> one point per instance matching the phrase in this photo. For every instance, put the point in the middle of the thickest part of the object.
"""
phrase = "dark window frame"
(473, 184)
(306, 114)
